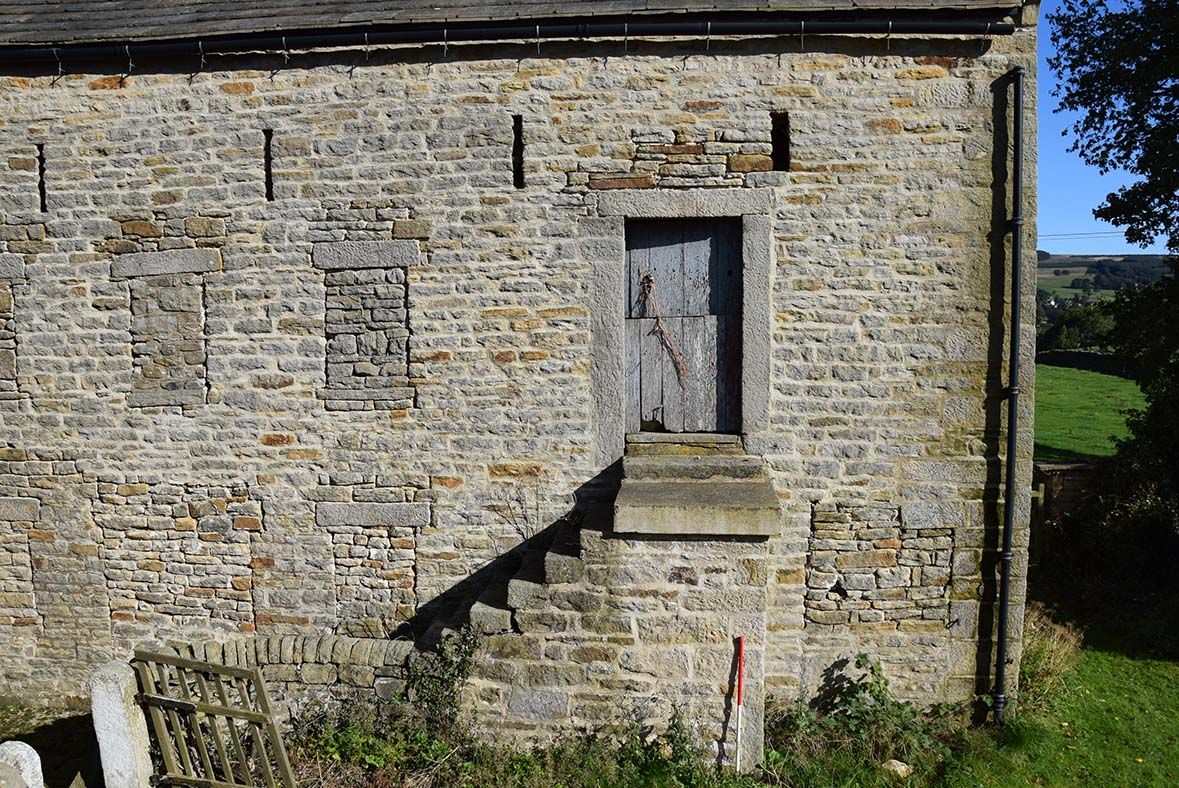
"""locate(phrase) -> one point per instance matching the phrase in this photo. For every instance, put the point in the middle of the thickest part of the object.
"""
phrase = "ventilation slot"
(268, 162)
(780, 139)
(518, 151)
(42, 192)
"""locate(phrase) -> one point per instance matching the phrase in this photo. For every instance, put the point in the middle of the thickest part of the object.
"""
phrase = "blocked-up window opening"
(168, 340)
(366, 324)
(518, 151)
(780, 140)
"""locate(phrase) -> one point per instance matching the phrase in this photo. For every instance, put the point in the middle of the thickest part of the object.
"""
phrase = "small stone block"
(22, 510)
(12, 266)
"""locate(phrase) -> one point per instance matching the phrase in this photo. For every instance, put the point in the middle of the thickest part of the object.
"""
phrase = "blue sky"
(1069, 190)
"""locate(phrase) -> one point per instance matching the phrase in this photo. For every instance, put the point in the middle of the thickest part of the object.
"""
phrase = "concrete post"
(120, 727)
(22, 759)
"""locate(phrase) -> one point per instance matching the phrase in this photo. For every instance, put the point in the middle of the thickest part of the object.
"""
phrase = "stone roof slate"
(92, 21)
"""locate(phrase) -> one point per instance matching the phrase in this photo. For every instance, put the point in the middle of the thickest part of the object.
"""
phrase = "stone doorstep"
(697, 508)
(696, 468)
(645, 444)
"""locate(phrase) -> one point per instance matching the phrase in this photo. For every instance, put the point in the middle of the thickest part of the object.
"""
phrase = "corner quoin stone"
(172, 261)
(365, 254)
(401, 515)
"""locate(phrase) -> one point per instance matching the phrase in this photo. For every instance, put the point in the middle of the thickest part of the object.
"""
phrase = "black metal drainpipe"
(1012, 398)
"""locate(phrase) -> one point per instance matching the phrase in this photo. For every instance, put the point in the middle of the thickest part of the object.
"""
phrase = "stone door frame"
(603, 247)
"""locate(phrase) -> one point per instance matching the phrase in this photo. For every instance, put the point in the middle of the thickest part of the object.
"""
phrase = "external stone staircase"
(639, 595)
(694, 484)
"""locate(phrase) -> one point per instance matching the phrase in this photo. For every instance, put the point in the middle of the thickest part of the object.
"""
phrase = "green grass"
(1079, 413)
(1117, 724)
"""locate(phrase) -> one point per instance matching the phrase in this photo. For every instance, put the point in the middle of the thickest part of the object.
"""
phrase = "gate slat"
(194, 720)
(279, 751)
(260, 743)
(157, 719)
(235, 739)
(162, 687)
(215, 727)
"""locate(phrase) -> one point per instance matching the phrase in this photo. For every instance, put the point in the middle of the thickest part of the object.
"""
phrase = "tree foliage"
(1146, 333)
(1119, 67)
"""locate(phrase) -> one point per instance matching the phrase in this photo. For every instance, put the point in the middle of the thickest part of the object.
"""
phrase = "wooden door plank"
(650, 377)
(698, 254)
(674, 390)
(725, 269)
(631, 368)
(728, 370)
(638, 262)
(666, 266)
(700, 351)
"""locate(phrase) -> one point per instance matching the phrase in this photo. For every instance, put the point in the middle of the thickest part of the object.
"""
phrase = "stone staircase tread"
(717, 494)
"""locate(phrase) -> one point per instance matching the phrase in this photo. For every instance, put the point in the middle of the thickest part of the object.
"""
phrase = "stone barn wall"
(226, 416)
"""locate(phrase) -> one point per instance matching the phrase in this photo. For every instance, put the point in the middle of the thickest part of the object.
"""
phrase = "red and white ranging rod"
(740, 695)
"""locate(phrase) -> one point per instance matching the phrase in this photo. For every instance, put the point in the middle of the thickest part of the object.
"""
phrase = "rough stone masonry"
(314, 420)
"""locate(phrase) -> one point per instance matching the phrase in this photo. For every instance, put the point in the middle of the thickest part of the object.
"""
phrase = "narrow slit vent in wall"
(42, 192)
(780, 140)
(268, 162)
(518, 151)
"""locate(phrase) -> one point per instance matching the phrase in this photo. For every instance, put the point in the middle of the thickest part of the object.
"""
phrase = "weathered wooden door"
(683, 325)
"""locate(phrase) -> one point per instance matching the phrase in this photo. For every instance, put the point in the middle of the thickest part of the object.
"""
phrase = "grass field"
(1115, 725)
(1078, 413)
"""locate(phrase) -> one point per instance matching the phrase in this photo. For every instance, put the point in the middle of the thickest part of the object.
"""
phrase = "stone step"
(723, 508)
(682, 444)
(527, 587)
(705, 468)
(489, 615)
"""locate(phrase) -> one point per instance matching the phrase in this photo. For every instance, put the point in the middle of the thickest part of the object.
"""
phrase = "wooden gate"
(683, 325)
(212, 724)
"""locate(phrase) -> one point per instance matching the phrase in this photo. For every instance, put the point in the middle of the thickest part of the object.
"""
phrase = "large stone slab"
(688, 508)
(171, 261)
(402, 515)
(365, 254)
